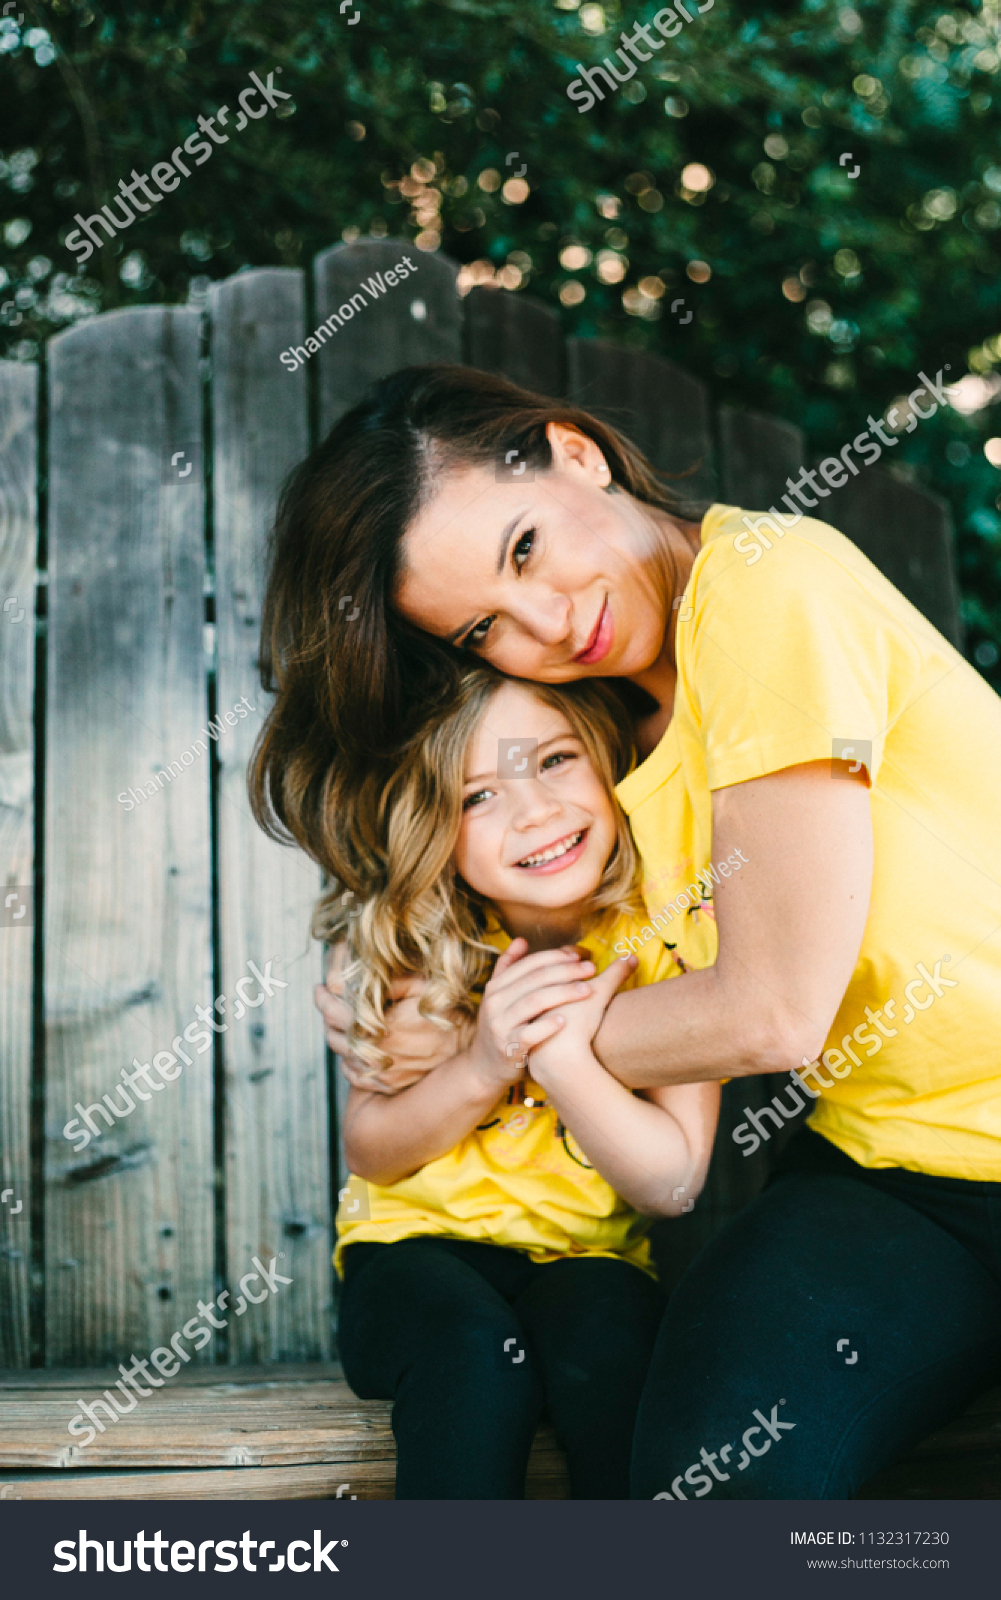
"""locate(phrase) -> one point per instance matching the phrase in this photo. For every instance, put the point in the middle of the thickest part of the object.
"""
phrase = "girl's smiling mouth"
(561, 853)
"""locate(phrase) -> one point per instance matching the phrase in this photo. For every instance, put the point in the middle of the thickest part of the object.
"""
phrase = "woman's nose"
(547, 618)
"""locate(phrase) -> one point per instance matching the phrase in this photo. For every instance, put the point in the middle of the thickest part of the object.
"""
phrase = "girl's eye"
(475, 799)
(558, 757)
(523, 549)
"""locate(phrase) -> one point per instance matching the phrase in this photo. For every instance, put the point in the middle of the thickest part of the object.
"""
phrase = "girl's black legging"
(837, 1320)
(472, 1342)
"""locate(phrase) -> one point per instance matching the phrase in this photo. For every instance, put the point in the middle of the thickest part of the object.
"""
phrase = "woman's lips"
(565, 860)
(600, 641)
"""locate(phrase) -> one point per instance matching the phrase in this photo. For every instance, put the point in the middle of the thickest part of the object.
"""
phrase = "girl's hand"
(580, 1024)
(516, 1012)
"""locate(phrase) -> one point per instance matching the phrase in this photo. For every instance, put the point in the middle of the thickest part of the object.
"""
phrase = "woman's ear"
(575, 450)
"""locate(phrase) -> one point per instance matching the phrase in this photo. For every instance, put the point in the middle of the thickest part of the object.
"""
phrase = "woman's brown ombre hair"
(352, 678)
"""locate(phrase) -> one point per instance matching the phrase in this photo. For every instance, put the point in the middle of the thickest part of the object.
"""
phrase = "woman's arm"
(790, 927)
(416, 1045)
(388, 1137)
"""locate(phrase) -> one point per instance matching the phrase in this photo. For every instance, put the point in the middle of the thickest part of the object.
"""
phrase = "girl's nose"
(533, 804)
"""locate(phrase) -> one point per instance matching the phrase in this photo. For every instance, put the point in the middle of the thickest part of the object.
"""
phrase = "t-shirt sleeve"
(789, 660)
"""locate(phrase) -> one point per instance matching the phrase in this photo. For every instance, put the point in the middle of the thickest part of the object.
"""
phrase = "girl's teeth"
(553, 854)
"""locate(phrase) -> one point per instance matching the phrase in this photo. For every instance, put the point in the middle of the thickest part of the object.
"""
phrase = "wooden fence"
(136, 489)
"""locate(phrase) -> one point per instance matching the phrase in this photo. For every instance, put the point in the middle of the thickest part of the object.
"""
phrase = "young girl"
(492, 1236)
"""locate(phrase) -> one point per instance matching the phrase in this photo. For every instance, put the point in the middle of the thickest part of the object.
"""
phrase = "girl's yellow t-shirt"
(519, 1179)
(802, 651)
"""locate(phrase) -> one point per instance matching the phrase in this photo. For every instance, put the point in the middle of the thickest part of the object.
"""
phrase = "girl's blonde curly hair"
(406, 911)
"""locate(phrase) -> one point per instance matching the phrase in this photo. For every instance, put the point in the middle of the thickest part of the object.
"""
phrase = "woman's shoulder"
(783, 573)
(735, 536)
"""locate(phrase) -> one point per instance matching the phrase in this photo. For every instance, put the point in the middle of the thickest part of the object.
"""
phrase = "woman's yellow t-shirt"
(800, 652)
(519, 1179)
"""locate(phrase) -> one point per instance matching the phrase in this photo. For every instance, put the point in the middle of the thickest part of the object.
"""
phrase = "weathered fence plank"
(907, 533)
(18, 456)
(757, 454)
(128, 883)
(660, 406)
(665, 411)
(415, 320)
(515, 336)
(277, 1135)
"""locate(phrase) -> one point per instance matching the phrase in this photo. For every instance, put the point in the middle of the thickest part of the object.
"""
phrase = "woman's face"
(536, 840)
(547, 577)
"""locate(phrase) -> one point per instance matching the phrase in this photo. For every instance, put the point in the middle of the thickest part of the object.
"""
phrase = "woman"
(457, 514)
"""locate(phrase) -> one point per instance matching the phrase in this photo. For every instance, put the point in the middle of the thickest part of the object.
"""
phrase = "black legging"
(471, 1341)
(841, 1317)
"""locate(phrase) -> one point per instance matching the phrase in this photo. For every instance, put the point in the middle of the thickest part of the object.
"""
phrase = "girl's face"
(547, 577)
(537, 840)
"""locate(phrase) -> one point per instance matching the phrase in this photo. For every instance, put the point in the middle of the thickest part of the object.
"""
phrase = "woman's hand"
(516, 1012)
(415, 1044)
(579, 1024)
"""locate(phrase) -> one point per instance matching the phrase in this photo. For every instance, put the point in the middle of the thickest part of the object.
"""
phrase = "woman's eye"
(477, 634)
(523, 549)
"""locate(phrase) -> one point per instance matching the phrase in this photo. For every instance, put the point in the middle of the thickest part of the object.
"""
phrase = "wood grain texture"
(516, 337)
(658, 405)
(252, 1434)
(362, 1480)
(252, 1420)
(127, 929)
(907, 533)
(18, 533)
(277, 1133)
(757, 454)
(415, 321)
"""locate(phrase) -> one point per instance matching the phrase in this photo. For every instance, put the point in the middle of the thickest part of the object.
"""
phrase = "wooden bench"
(139, 479)
(298, 1433)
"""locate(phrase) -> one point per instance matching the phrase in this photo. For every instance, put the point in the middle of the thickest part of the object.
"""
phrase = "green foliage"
(815, 294)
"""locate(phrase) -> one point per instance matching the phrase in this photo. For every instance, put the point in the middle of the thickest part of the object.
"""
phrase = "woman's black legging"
(473, 1341)
(838, 1319)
